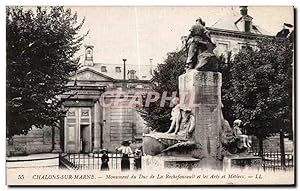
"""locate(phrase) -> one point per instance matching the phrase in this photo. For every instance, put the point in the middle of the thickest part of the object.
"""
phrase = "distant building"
(89, 126)
(234, 32)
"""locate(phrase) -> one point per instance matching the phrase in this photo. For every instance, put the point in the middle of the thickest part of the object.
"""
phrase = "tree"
(164, 79)
(225, 65)
(261, 92)
(41, 47)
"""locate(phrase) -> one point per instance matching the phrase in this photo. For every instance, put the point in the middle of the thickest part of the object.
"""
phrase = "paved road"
(45, 160)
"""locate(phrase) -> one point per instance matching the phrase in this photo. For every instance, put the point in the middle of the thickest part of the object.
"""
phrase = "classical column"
(201, 91)
(97, 123)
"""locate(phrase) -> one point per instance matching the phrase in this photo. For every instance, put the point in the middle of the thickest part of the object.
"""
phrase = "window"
(223, 48)
(118, 69)
(246, 46)
(88, 55)
(247, 26)
(131, 74)
(103, 69)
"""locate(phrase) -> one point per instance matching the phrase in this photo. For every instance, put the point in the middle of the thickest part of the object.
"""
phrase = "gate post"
(282, 151)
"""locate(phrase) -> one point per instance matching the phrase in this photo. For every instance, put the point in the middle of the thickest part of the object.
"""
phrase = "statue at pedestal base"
(179, 141)
(233, 141)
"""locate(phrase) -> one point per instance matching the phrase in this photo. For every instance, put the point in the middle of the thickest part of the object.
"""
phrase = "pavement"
(47, 160)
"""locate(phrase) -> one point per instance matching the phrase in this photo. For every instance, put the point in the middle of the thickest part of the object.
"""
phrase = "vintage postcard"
(150, 95)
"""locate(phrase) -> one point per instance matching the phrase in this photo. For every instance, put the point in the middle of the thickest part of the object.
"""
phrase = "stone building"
(234, 32)
(91, 125)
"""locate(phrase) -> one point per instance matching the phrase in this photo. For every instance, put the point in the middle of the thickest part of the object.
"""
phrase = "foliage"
(261, 91)
(165, 78)
(41, 46)
(225, 65)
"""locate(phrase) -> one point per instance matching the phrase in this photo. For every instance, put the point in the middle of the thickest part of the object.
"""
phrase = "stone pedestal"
(201, 91)
(181, 162)
(237, 161)
(57, 148)
(155, 143)
(150, 163)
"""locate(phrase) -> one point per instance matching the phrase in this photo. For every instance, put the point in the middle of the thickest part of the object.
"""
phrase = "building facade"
(91, 124)
(234, 32)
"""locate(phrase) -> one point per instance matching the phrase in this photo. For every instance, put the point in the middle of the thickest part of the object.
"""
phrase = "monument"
(198, 129)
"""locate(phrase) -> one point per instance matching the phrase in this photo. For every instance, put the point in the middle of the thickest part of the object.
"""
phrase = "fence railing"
(273, 161)
(81, 161)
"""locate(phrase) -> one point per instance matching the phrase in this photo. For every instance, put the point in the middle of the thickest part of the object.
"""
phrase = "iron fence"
(81, 161)
(273, 160)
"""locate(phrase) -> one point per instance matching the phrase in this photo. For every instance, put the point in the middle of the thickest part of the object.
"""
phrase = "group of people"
(125, 150)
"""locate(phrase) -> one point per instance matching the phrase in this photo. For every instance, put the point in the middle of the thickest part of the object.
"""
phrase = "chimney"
(244, 23)
(244, 10)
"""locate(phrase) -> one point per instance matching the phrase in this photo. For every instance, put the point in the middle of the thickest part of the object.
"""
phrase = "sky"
(141, 33)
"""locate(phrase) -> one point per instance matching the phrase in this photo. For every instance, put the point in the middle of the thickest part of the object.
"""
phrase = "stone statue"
(175, 116)
(243, 140)
(178, 139)
(187, 123)
(200, 50)
(183, 121)
(232, 139)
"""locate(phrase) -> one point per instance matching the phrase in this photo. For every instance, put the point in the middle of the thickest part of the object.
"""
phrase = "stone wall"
(121, 122)
(36, 141)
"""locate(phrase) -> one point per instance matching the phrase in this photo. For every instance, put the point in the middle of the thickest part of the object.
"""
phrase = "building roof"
(230, 22)
(115, 71)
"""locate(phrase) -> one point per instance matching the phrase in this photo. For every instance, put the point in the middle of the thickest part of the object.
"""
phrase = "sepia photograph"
(150, 95)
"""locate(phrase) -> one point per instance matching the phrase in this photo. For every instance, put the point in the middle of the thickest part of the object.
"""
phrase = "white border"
(109, 2)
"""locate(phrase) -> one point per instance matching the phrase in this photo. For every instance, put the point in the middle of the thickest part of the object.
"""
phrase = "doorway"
(85, 139)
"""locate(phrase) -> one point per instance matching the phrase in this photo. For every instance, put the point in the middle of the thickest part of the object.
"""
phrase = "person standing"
(126, 151)
(137, 159)
(104, 160)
